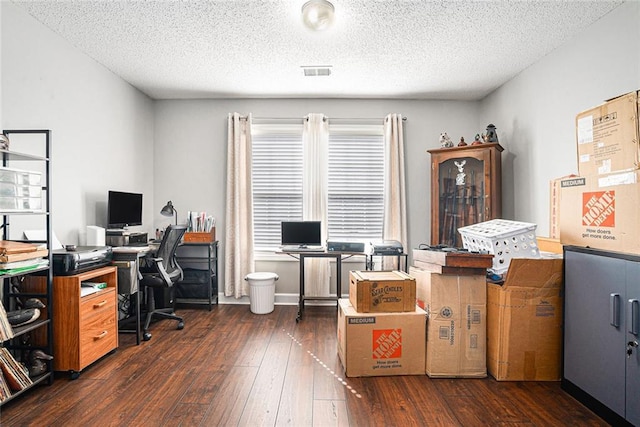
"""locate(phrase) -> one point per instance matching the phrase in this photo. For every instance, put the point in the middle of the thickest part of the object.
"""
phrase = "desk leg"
(338, 278)
(301, 300)
(137, 296)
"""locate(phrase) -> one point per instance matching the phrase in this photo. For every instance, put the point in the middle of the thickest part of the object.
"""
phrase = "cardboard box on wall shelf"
(601, 211)
(524, 322)
(382, 291)
(456, 323)
(608, 135)
(381, 344)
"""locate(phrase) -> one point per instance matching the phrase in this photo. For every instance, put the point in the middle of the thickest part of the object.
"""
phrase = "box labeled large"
(380, 344)
(382, 291)
(601, 211)
(524, 322)
(607, 136)
(456, 307)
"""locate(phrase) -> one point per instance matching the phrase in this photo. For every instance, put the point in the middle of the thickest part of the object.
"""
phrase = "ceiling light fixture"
(317, 15)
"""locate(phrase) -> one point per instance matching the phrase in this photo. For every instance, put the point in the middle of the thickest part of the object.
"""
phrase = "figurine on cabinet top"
(476, 140)
(492, 136)
(445, 141)
(462, 143)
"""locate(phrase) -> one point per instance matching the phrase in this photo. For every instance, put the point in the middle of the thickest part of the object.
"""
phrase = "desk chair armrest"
(157, 263)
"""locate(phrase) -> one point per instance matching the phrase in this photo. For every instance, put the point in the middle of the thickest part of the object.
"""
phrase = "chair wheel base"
(146, 336)
(180, 325)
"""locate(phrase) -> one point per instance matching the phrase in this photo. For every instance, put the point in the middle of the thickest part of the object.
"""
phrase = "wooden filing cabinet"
(85, 327)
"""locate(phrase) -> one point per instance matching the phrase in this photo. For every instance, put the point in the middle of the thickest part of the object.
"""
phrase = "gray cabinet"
(602, 322)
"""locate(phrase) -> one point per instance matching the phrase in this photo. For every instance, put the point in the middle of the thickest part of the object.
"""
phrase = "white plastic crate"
(504, 239)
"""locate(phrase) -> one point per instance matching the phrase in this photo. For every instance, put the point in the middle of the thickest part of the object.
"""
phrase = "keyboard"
(296, 248)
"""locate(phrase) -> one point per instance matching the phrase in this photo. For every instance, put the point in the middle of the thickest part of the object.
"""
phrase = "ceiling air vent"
(316, 70)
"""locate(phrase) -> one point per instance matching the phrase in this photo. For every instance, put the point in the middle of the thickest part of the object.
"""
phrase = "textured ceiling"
(377, 48)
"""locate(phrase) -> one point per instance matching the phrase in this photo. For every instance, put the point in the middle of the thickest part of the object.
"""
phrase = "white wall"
(102, 127)
(535, 112)
(191, 146)
(107, 135)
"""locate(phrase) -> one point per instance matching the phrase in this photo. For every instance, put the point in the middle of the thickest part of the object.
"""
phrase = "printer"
(80, 259)
(386, 247)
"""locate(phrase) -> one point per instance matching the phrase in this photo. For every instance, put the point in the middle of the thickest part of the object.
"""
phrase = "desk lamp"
(169, 210)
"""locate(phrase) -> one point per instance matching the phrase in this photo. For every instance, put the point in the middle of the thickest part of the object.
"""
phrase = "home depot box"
(601, 211)
(382, 291)
(456, 323)
(524, 322)
(380, 344)
(608, 135)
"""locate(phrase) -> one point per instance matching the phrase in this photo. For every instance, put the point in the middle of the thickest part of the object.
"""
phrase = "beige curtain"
(395, 206)
(239, 257)
(315, 141)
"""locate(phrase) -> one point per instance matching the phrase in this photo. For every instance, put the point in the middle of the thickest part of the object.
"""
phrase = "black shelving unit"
(37, 334)
(199, 262)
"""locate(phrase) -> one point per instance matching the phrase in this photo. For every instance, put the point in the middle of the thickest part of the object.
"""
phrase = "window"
(355, 181)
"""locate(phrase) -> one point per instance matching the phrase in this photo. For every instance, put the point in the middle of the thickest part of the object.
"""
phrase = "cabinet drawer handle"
(102, 335)
(634, 316)
(614, 310)
(100, 304)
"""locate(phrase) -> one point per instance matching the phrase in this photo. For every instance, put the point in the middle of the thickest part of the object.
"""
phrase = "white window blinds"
(277, 181)
(355, 181)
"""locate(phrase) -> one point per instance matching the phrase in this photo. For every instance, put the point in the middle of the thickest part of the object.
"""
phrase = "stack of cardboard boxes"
(381, 331)
(598, 208)
(451, 287)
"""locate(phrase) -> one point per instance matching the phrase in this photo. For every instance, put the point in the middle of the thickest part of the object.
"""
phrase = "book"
(21, 256)
(11, 247)
(6, 330)
(16, 375)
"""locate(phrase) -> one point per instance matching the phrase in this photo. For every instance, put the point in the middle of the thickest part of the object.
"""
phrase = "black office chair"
(160, 273)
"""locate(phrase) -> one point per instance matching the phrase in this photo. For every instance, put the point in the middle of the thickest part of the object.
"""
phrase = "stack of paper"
(18, 256)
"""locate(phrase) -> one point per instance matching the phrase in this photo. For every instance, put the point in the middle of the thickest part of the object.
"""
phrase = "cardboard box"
(382, 291)
(381, 344)
(554, 206)
(456, 323)
(601, 211)
(608, 136)
(524, 322)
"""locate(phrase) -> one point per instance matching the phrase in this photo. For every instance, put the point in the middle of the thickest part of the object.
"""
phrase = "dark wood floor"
(232, 368)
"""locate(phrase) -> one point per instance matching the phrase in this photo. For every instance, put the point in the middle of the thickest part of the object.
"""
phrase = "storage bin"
(504, 239)
(17, 204)
(11, 189)
(21, 177)
(262, 288)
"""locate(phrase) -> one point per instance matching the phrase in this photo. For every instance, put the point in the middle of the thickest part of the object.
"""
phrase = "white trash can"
(262, 291)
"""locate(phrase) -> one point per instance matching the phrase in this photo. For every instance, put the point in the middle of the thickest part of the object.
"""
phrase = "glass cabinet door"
(465, 187)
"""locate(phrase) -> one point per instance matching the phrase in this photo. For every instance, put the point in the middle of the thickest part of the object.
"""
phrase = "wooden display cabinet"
(466, 187)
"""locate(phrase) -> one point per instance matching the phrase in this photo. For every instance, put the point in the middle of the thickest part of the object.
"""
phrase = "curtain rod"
(294, 119)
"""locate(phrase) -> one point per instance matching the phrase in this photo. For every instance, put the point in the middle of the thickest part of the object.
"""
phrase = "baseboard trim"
(280, 299)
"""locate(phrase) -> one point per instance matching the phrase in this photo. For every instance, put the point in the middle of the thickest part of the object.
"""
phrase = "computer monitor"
(123, 209)
(301, 233)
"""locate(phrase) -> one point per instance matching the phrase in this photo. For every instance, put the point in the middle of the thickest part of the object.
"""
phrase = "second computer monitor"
(301, 233)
